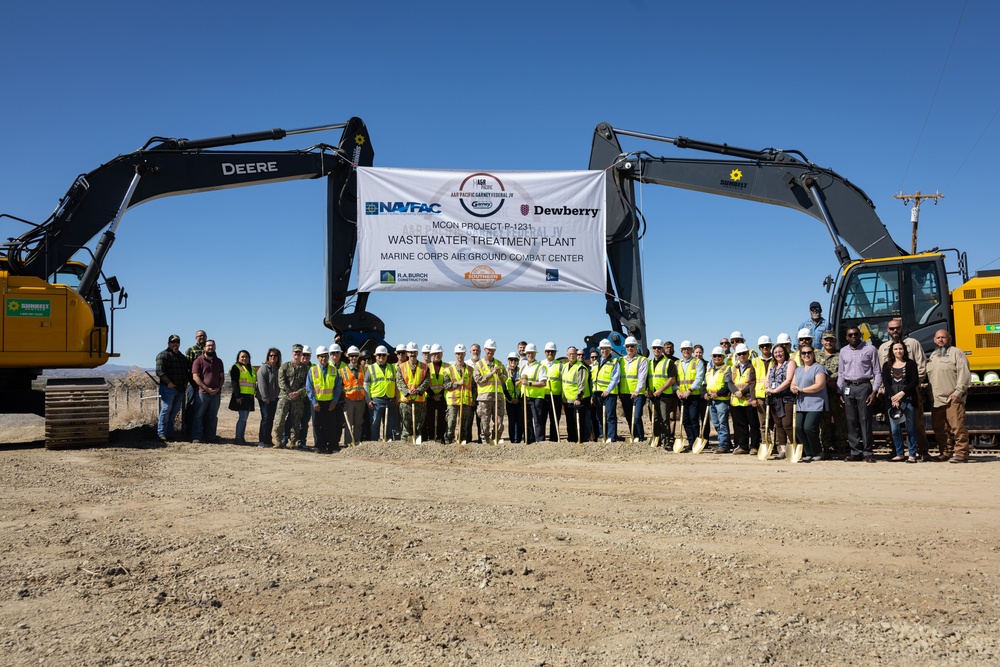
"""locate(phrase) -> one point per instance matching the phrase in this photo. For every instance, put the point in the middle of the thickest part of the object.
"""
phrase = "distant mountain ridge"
(107, 370)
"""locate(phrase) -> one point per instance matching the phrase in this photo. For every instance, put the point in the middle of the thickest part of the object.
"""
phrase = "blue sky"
(887, 94)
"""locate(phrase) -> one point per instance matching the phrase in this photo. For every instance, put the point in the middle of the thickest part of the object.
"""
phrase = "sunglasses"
(724, 343)
(853, 335)
(805, 353)
(895, 328)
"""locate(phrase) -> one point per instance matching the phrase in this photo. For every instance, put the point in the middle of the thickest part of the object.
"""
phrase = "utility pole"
(915, 211)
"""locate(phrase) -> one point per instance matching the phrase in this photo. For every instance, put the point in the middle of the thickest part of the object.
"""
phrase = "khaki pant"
(950, 430)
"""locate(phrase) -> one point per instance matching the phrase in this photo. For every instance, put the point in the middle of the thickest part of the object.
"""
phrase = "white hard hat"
(605, 343)
(763, 340)
(530, 347)
(435, 348)
(805, 333)
(631, 341)
(335, 348)
(401, 347)
(718, 351)
(490, 344)
(459, 348)
(381, 349)
(686, 344)
(991, 378)
(737, 334)
(425, 348)
(411, 347)
(513, 355)
(321, 350)
(550, 347)
(306, 349)
(353, 350)
(783, 339)
(741, 348)
(656, 343)
(974, 378)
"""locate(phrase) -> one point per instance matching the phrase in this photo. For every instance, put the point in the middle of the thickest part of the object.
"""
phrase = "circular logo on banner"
(482, 277)
(482, 195)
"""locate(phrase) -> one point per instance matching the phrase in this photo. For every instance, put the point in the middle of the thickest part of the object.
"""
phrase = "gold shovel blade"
(764, 452)
(796, 453)
(678, 445)
(699, 444)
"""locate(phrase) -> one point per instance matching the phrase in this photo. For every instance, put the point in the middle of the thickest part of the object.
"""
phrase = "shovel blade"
(699, 444)
(678, 445)
(796, 453)
(764, 452)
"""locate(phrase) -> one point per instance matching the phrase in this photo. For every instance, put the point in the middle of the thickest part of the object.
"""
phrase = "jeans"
(266, 422)
(910, 412)
(691, 408)
(384, 424)
(170, 404)
(206, 418)
(634, 405)
(241, 424)
(609, 406)
(719, 414)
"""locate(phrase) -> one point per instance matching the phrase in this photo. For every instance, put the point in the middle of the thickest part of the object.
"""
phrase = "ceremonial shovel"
(701, 441)
(764, 453)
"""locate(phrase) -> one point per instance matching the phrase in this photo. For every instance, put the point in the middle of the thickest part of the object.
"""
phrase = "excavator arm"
(165, 167)
(782, 178)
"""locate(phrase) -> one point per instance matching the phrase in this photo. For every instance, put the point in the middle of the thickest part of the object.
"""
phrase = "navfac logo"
(387, 277)
(551, 275)
(401, 208)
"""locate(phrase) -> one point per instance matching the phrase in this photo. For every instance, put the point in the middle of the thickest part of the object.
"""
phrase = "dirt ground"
(548, 554)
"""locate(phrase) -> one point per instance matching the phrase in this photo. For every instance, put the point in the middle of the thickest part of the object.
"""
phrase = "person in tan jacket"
(949, 376)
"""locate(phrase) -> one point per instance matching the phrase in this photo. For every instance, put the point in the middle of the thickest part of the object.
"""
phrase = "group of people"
(816, 394)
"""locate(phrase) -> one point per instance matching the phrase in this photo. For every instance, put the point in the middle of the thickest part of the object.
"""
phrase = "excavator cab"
(873, 291)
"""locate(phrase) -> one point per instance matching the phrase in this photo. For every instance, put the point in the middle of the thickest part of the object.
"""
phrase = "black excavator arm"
(165, 167)
(770, 176)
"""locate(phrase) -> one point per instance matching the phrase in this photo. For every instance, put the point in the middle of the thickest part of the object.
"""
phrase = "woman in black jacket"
(900, 378)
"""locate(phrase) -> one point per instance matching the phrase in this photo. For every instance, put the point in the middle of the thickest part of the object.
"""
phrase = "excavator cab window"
(69, 274)
(876, 292)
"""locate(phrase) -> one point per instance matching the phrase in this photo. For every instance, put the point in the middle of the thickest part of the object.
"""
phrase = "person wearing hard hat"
(803, 337)
(353, 378)
(512, 395)
(324, 389)
(761, 365)
(425, 352)
(741, 380)
(412, 382)
(785, 341)
(534, 383)
(380, 391)
(475, 353)
(576, 397)
(605, 376)
(435, 421)
(690, 386)
(737, 338)
(458, 396)
(632, 387)
(553, 393)
(717, 395)
(661, 383)
(490, 375)
(950, 377)
(833, 429)
(816, 324)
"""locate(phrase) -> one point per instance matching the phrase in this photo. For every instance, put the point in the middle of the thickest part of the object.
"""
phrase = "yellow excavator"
(54, 290)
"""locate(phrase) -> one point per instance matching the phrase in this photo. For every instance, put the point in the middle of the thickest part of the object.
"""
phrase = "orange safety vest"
(354, 385)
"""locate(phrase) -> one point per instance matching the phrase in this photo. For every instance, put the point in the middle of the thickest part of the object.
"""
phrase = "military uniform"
(833, 426)
(289, 413)
(412, 406)
(489, 378)
(458, 394)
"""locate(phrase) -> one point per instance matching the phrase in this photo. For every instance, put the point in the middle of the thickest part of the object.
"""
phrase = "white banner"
(421, 229)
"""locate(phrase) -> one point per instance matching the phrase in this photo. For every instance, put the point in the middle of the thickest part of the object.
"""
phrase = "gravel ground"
(391, 554)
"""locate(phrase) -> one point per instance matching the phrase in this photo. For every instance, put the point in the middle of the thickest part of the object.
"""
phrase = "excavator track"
(76, 412)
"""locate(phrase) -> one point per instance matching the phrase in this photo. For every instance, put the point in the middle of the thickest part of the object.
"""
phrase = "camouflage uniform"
(411, 413)
(453, 412)
(291, 379)
(833, 426)
(487, 404)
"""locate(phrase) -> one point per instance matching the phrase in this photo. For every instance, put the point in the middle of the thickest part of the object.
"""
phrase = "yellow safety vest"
(741, 380)
(569, 382)
(437, 381)
(514, 390)
(554, 372)
(462, 395)
(604, 374)
(687, 377)
(248, 379)
(413, 378)
(323, 385)
(532, 372)
(658, 374)
(383, 382)
(629, 375)
(492, 385)
(760, 389)
(715, 380)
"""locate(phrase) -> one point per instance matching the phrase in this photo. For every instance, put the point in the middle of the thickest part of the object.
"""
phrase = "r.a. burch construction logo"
(482, 277)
